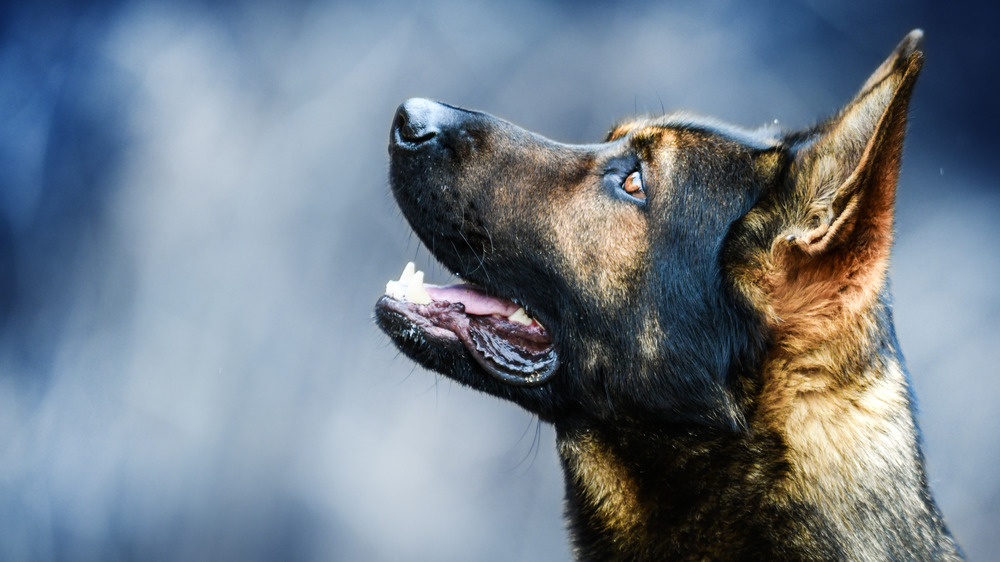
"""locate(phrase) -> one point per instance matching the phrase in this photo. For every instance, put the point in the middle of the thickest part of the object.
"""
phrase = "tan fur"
(609, 487)
(604, 259)
(849, 444)
(809, 300)
(860, 430)
(607, 260)
(621, 130)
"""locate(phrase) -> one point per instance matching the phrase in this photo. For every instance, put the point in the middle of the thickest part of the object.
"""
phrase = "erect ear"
(844, 175)
(846, 172)
(830, 260)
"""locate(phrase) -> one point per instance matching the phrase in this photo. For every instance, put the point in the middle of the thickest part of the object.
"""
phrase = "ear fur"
(833, 254)
(845, 173)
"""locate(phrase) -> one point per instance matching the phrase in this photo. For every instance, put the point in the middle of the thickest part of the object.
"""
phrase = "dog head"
(652, 274)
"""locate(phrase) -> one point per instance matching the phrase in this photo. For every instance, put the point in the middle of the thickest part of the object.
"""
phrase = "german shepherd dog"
(701, 310)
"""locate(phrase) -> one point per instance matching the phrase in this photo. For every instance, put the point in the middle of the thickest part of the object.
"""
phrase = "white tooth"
(395, 290)
(401, 290)
(415, 292)
(407, 274)
(521, 317)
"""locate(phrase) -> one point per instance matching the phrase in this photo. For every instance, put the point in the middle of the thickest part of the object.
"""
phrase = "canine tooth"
(520, 316)
(407, 274)
(415, 292)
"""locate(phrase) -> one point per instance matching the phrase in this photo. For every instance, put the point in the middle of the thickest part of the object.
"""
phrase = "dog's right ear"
(833, 256)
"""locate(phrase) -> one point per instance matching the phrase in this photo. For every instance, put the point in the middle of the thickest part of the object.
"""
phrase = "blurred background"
(195, 224)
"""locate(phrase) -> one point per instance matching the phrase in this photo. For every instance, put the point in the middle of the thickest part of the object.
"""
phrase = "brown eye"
(633, 185)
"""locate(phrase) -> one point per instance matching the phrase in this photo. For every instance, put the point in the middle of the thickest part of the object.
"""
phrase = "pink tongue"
(476, 301)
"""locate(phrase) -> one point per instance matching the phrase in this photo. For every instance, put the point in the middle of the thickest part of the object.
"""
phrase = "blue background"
(194, 226)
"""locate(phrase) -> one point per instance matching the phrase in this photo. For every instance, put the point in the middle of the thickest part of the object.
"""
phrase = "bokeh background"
(194, 226)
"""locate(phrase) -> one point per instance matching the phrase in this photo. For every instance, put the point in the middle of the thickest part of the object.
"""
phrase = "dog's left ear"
(844, 175)
(847, 172)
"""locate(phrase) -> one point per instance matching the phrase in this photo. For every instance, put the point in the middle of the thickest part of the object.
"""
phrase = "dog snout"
(418, 121)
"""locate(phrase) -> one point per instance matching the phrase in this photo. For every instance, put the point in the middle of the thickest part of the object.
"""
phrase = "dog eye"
(633, 185)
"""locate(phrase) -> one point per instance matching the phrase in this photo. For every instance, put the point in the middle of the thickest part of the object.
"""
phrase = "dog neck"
(644, 495)
(830, 463)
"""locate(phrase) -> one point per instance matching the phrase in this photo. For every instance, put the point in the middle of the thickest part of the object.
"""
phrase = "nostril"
(401, 119)
(412, 128)
(415, 121)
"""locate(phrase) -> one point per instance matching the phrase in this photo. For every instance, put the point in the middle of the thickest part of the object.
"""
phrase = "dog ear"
(844, 176)
(846, 172)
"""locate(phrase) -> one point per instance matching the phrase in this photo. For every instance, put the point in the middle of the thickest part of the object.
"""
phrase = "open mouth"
(499, 334)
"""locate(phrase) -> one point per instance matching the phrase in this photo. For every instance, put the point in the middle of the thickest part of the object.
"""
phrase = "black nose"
(417, 121)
